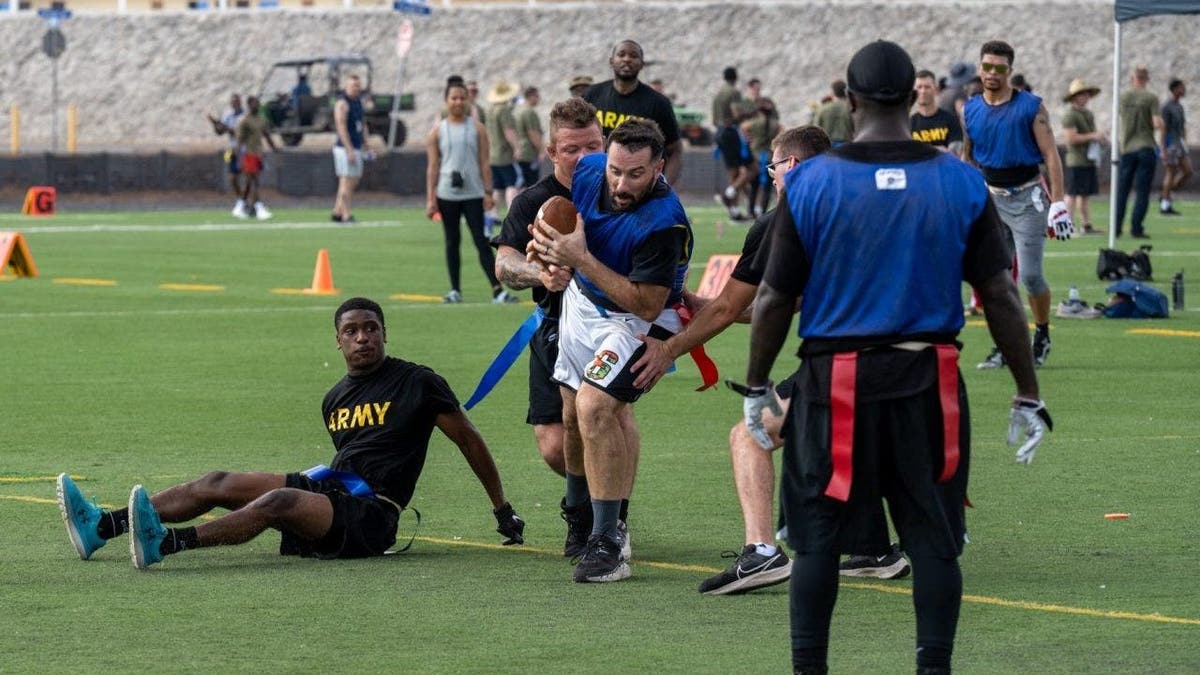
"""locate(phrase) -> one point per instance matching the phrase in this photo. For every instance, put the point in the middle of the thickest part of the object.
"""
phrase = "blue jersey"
(905, 222)
(1002, 135)
(614, 237)
(354, 121)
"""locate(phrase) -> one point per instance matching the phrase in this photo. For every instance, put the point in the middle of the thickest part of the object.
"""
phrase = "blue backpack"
(1144, 301)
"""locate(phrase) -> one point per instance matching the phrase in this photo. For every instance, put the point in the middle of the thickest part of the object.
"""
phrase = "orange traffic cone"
(322, 281)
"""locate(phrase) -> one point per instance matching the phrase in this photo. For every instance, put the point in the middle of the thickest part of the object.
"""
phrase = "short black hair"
(358, 303)
(839, 88)
(636, 133)
(1175, 82)
(454, 82)
(730, 74)
(998, 48)
(641, 52)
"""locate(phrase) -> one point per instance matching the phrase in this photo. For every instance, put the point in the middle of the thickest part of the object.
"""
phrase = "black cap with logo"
(881, 71)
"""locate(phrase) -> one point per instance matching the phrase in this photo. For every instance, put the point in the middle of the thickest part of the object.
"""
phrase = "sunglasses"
(771, 167)
(998, 68)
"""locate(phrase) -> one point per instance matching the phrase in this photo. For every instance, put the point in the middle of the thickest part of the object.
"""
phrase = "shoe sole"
(72, 531)
(136, 553)
(621, 572)
(763, 579)
(897, 570)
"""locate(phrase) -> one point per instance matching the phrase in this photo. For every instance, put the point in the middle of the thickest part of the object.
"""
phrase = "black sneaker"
(752, 570)
(890, 566)
(335, 218)
(1169, 211)
(1041, 348)
(601, 561)
(579, 526)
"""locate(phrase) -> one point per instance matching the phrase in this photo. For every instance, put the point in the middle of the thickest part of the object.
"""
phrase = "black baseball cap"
(881, 71)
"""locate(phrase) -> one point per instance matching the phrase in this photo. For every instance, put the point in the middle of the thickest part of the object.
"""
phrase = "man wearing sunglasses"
(1007, 136)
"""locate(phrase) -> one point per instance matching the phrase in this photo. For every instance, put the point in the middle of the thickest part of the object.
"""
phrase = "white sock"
(241, 204)
(1164, 204)
(765, 549)
(730, 193)
(259, 205)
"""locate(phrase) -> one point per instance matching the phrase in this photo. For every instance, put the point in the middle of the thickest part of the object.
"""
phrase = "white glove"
(1058, 222)
(1030, 416)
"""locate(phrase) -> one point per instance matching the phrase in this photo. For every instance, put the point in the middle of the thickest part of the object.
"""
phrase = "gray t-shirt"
(458, 147)
(1174, 123)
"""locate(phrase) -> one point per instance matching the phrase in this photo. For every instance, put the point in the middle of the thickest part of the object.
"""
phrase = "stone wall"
(143, 81)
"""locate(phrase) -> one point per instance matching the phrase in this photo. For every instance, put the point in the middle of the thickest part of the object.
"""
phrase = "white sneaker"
(239, 210)
(624, 541)
(452, 298)
(261, 212)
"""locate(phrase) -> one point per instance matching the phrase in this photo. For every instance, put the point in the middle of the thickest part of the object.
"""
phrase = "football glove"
(1058, 222)
(1031, 417)
(754, 401)
(509, 525)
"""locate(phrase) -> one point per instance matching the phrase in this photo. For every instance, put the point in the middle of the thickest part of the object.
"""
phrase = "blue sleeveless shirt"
(906, 223)
(1002, 135)
(354, 121)
(614, 237)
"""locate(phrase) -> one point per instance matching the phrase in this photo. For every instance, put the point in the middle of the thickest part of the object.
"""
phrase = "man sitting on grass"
(380, 417)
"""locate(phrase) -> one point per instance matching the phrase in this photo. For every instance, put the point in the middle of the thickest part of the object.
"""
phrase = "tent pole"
(1115, 137)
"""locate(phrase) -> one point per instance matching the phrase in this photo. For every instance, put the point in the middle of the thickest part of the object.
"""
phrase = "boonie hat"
(1078, 86)
(881, 71)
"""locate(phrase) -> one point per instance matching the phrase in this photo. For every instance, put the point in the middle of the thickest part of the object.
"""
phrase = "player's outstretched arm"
(459, 429)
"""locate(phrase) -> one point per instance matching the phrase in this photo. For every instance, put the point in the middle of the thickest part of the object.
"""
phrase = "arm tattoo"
(515, 272)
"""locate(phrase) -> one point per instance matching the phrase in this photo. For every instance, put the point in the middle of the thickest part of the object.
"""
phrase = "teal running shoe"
(81, 517)
(145, 529)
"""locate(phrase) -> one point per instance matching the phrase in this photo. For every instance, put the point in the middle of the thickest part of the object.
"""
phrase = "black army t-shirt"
(514, 231)
(940, 129)
(613, 108)
(380, 424)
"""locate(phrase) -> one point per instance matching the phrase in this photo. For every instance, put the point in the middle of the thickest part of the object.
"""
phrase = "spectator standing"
(834, 115)
(1083, 141)
(457, 172)
(1177, 166)
(530, 142)
(1139, 152)
(227, 126)
(502, 138)
(931, 124)
(251, 134)
(350, 150)
(735, 152)
(625, 96)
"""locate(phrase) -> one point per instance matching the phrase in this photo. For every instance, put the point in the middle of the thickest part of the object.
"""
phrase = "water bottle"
(1073, 295)
(1177, 290)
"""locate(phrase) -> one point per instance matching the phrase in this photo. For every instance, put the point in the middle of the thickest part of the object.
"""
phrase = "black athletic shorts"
(505, 176)
(1081, 181)
(530, 173)
(545, 398)
(362, 526)
(787, 386)
(733, 151)
(898, 455)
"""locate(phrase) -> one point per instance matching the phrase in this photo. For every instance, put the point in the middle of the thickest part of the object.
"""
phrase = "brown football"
(559, 213)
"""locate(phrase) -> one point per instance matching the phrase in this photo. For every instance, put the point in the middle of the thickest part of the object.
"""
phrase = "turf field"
(152, 349)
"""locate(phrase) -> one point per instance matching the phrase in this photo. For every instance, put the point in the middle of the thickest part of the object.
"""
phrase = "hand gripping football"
(559, 213)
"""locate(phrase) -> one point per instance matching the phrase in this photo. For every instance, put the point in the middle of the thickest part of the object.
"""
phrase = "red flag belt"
(708, 369)
(842, 398)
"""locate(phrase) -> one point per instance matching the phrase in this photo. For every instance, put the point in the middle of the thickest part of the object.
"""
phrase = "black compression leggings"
(937, 596)
(452, 213)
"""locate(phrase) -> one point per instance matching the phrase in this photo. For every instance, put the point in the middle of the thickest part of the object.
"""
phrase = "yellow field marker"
(36, 479)
(198, 288)
(79, 281)
(413, 297)
(1164, 331)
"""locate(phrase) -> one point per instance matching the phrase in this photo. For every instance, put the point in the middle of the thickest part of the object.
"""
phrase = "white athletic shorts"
(597, 348)
(341, 163)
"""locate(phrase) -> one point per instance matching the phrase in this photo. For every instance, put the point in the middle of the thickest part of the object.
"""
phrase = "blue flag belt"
(507, 356)
(352, 481)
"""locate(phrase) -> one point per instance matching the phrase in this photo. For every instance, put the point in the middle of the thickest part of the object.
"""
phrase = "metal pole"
(54, 106)
(394, 117)
(14, 133)
(1114, 140)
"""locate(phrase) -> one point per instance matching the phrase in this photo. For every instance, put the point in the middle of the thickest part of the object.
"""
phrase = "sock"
(577, 490)
(113, 524)
(241, 204)
(766, 549)
(179, 539)
(604, 517)
(624, 511)
(259, 205)
(1164, 204)
(496, 291)
(1042, 329)
(730, 193)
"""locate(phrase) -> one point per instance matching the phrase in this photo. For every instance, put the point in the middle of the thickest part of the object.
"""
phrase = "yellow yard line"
(77, 281)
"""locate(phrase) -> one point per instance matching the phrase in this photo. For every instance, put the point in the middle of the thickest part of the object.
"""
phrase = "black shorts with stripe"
(362, 526)
(545, 398)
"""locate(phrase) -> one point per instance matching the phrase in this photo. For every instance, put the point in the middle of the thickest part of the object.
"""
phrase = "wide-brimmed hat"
(1078, 86)
(502, 92)
(580, 81)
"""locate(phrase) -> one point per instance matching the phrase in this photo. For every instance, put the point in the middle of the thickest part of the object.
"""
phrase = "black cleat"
(893, 565)
(1041, 348)
(579, 526)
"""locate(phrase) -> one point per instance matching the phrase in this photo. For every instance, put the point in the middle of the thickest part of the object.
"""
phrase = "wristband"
(747, 391)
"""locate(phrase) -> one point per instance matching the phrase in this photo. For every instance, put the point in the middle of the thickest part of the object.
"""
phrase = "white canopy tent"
(1128, 10)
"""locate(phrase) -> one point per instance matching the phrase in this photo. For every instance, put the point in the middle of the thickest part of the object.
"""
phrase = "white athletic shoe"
(261, 212)
(239, 210)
